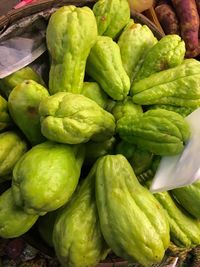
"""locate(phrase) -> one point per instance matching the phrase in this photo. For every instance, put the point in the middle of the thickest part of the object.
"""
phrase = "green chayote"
(77, 236)
(159, 131)
(46, 176)
(183, 111)
(104, 65)
(167, 53)
(73, 118)
(23, 103)
(111, 16)
(14, 222)
(12, 148)
(134, 43)
(5, 120)
(178, 86)
(71, 33)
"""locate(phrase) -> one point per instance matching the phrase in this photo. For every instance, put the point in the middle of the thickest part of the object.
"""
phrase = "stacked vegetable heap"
(81, 154)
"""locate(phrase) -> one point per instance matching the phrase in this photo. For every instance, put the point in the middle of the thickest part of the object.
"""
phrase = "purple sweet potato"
(188, 17)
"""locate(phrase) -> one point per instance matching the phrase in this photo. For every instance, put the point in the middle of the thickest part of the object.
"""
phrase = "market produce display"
(78, 153)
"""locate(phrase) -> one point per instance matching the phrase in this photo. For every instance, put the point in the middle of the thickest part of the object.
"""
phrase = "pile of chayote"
(77, 155)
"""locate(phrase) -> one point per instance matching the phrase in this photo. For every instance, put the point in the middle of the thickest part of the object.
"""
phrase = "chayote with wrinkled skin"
(9, 82)
(184, 229)
(189, 198)
(71, 33)
(132, 221)
(111, 16)
(14, 222)
(93, 91)
(169, 52)
(159, 131)
(73, 119)
(134, 43)
(23, 103)
(46, 176)
(12, 148)
(126, 107)
(5, 120)
(183, 111)
(104, 65)
(77, 236)
(178, 86)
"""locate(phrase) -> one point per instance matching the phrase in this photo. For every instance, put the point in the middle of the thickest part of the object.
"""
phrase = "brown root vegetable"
(167, 18)
(188, 17)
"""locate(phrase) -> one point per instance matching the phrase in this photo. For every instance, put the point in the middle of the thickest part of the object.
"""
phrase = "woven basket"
(18, 21)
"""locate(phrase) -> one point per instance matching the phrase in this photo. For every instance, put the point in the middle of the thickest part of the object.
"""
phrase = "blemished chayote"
(104, 65)
(184, 229)
(71, 33)
(77, 236)
(46, 176)
(93, 91)
(189, 198)
(111, 16)
(132, 221)
(126, 107)
(134, 43)
(178, 86)
(159, 131)
(23, 104)
(12, 148)
(11, 81)
(5, 120)
(74, 118)
(167, 53)
(14, 222)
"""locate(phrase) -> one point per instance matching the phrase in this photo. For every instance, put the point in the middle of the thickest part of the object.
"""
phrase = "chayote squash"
(23, 103)
(11, 81)
(14, 222)
(111, 16)
(5, 120)
(183, 111)
(46, 176)
(12, 148)
(169, 52)
(73, 118)
(189, 198)
(77, 237)
(126, 107)
(132, 221)
(93, 91)
(71, 33)
(184, 229)
(159, 131)
(134, 43)
(104, 65)
(178, 86)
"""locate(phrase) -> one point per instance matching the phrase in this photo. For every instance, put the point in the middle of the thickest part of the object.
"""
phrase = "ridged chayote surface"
(5, 120)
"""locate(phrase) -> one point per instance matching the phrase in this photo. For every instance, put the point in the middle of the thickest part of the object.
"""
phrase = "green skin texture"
(71, 33)
(12, 149)
(9, 82)
(5, 120)
(46, 176)
(73, 119)
(23, 103)
(126, 107)
(111, 16)
(77, 237)
(189, 198)
(14, 222)
(184, 229)
(93, 91)
(183, 111)
(178, 86)
(134, 43)
(169, 52)
(159, 131)
(137, 233)
(104, 65)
